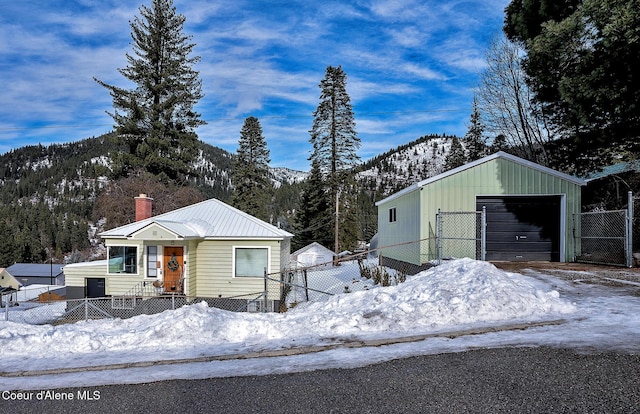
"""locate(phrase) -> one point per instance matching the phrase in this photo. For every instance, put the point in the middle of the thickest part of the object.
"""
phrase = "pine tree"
(499, 144)
(456, 156)
(334, 140)
(474, 139)
(314, 216)
(156, 120)
(250, 174)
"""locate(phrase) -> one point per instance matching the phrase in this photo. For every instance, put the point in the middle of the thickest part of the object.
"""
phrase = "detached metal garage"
(529, 210)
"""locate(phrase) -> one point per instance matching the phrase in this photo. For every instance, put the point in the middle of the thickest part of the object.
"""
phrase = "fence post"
(6, 307)
(629, 231)
(265, 298)
(439, 237)
(483, 234)
(86, 309)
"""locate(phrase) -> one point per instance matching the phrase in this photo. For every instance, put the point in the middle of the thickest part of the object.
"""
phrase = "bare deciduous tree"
(507, 104)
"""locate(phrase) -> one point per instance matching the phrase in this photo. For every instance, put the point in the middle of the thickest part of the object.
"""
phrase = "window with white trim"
(152, 261)
(123, 259)
(250, 261)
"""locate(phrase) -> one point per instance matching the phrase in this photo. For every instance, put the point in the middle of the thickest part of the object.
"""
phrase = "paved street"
(534, 380)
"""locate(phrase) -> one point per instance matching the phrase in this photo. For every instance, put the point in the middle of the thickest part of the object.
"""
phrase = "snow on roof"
(499, 154)
(313, 246)
(208, 219)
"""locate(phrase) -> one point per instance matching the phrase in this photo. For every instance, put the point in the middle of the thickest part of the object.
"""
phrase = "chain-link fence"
(603, 237)
(66, 311)
(461, 234)
(299, 285)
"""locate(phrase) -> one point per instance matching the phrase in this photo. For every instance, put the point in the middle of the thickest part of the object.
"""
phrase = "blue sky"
(411, 67)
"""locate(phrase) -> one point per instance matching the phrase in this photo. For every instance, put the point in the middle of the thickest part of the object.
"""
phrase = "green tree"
(7, 243)
(314, 215)
(499, 144)
(156, 120)
(250, 174)
(474, 139)
(581, 63)
(335, 142)
(456, 156)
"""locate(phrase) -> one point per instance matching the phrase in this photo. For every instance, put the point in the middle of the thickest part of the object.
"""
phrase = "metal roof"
(313, 246)
(208, 219)
(620, 168)
(34, 270)
(499, 154)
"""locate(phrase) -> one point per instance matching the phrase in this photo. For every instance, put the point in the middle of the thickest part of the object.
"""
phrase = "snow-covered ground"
(430, 308)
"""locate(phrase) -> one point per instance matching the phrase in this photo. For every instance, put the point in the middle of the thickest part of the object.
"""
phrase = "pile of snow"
(461, 293)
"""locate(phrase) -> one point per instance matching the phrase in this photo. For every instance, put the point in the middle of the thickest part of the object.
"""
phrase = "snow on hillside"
(280, 175)
(411, 164)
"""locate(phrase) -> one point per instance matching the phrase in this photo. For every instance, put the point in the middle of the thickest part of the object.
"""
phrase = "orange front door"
(173, 269)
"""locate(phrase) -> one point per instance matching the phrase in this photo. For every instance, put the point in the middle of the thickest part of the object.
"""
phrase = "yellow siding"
(191, 279)
(215, 268)
(208, 269)
(155, 233)
(75, 274)
(6, 280)
(119, 284)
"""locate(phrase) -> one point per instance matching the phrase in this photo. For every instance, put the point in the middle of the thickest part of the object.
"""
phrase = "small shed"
(312, 255)
(54, 294)
(529, 211)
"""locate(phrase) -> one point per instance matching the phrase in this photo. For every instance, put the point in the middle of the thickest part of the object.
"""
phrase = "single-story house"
(208, 249)
(7, 281)
(529, 210)
(312, 255)
(37, 273)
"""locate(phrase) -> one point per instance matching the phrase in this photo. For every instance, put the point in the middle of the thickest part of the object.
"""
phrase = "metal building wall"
(498, 176)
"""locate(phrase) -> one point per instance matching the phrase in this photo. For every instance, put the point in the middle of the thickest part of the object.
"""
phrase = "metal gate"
(461, 234)
(605, 237)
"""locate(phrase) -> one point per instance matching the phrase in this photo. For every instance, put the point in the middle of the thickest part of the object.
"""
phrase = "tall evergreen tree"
(250, 174)
(314, 216)
(474, 139)
(156, 120)
(334, 140)
(456, 156)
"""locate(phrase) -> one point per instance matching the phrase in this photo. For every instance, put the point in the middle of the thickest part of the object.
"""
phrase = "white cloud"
(259, 58)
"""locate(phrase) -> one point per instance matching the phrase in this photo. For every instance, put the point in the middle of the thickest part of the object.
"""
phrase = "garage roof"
(499, 154)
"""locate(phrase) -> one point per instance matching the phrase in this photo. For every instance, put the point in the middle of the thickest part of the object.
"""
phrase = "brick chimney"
(144, 206)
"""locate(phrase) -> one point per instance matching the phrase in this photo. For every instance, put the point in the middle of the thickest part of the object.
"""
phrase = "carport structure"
(529, 210)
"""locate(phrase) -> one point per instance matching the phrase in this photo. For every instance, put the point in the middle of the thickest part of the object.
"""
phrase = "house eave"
(499, 154)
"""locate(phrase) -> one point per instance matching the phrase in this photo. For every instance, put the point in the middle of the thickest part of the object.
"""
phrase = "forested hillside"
(52, 199)
(48, 195)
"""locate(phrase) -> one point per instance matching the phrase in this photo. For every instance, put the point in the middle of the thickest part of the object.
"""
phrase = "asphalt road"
(517, 380)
